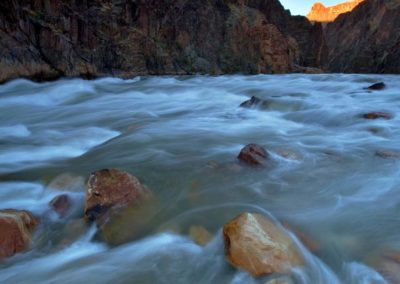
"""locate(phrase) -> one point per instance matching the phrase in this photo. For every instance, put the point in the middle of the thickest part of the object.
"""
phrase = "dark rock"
(253, 155)
(377, 86)
(61, 204)
(16, 228)
(112, 188)
(253, 102)
(257, 245)
(377, 115)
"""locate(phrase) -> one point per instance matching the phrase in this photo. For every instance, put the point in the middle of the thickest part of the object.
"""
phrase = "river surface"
(181, 136)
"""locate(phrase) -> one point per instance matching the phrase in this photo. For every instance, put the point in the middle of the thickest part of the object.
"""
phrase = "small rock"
(200, 235)
(61, 204)
(253, 102)
(386, 154)
(67, 182)
(377, 86)
(16, 229)
(257, 245)
(253, 155)
(112, 188)
(377, 114)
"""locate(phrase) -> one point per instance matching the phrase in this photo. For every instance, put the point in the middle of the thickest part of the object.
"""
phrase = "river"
(181, 137)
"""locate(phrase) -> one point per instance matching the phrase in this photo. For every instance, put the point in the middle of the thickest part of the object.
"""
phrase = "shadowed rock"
(253, 155)
(257, 245)
(16, 229)
(377, 115)
(253, 102)
(377, 86)
(61, 204)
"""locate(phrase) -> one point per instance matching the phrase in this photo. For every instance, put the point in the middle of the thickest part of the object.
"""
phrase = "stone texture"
(257, 245)
(253, 155)
(43, 40)
(320, 13)
(110, 188)
(365, 40)
(16, 228)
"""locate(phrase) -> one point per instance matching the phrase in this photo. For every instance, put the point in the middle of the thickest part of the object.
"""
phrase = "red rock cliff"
(320, 13)
(45, 39)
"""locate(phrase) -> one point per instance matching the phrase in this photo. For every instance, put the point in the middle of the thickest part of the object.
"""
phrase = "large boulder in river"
(253, 155)
(16, 228)
(110, 188)
(257, 245)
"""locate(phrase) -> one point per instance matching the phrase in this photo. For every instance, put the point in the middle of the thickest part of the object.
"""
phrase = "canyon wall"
(45, 39)
(367, 40)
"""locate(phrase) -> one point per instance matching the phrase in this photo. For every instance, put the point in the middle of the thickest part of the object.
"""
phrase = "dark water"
(181, 136)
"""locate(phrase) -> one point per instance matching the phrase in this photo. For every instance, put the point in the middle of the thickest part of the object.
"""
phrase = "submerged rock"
(200, 235)
(388, 264)
(377, 86)
(386, 154)
(16, 229)
(67, 182)
(110, 188)
(253, 155)
(253, 102)
(377, 115)
(61, 204)
(257, 245)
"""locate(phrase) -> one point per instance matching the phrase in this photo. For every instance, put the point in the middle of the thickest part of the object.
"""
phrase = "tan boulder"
(16, 229)
(257, 245)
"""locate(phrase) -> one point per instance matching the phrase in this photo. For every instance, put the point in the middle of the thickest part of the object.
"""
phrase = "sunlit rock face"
(320, 13)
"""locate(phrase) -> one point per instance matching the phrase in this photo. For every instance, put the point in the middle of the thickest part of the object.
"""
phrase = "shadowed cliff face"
(43, 39)
(367, 40)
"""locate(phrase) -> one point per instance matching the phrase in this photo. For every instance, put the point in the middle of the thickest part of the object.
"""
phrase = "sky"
(302, 7)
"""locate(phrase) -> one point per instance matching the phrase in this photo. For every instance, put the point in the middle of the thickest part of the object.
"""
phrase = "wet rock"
(388, 264)
(253, 102)
(67, 182)
(311, 244)
(253, 155)
(377, 86)
(110, 188)
(122, 224)
(16, 229)
(377, 115)
(61, 204)
(386, 154)
(257, 245)
(200, 235)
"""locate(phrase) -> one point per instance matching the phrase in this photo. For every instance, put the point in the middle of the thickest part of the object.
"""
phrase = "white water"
(181, 137)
